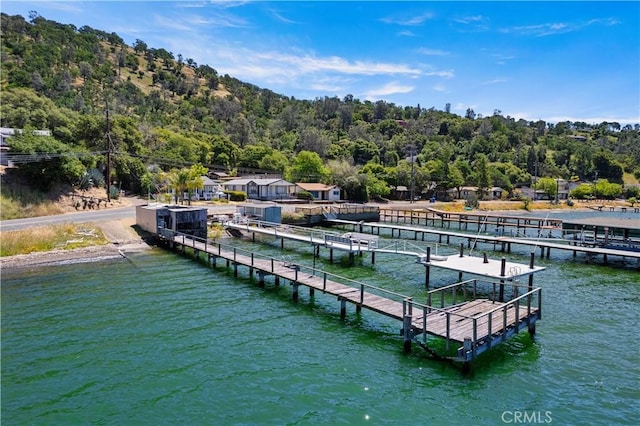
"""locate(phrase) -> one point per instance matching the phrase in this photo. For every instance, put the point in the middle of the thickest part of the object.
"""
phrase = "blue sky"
(554, 61)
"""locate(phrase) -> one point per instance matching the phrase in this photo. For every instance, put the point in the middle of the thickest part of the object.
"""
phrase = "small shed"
(187, 220)
(266, 212)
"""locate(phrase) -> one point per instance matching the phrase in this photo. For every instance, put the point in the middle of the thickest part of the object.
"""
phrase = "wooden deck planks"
(461, 322)
(463, 328)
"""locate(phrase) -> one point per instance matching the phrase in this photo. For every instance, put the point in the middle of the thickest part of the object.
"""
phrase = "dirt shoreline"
(122, 240)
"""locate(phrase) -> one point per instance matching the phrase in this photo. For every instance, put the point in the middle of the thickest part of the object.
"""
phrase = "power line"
(35, 157)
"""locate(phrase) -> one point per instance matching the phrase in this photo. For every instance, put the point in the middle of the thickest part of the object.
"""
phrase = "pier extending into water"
(358, 243)
(593, 245)
(474, 315)
(481, 222)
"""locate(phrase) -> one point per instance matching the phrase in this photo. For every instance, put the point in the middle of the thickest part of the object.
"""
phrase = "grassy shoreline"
(52, 237)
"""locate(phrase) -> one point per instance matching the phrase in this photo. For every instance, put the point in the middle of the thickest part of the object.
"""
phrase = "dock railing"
(481, 338)
(484, 338)
(361, 242)
(251, 224)
(216, 248)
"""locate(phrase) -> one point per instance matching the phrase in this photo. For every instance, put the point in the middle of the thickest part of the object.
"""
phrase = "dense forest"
(159, 115)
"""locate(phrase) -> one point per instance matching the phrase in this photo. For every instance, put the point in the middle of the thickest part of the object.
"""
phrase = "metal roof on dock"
(484, 267)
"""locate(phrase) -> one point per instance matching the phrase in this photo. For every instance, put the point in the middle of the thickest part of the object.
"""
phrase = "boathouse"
(187, 220)
(267, 212)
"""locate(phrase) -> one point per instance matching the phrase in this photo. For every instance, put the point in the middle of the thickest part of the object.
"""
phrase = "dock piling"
(503, 267)
(456, 322)
(295, 290)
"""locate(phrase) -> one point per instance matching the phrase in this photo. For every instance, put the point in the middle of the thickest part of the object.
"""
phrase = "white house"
(210, 190)
(6, 133)
(262, 189)
(493, 193)
(320, 191)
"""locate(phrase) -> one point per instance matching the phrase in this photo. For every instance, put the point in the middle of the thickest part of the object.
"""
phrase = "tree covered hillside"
(168, 112)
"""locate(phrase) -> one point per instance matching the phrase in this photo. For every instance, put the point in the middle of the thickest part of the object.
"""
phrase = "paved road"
(79, 217)
(99, 215)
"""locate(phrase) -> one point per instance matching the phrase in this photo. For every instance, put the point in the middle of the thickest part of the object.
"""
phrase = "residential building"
(320, 191)
(8, 132)
(262, 189)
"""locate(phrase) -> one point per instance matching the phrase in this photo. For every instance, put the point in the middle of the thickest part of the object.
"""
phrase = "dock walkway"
(359, 243)
(504, 243)
(471, 313)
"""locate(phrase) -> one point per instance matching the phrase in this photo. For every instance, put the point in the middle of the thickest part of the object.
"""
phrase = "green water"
(161, 339)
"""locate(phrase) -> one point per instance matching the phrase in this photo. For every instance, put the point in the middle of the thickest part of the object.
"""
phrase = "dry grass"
(13, 209)
(458, 206)
(66, 237)
(20, 201)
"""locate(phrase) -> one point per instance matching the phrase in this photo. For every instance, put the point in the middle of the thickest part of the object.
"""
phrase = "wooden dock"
(481, 222)
(472, 314)
(359, 243)
(504, 243)
(351, 244)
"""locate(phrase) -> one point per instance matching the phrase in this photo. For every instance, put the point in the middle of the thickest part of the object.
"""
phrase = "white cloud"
(171, 24)
(226, 4)
(281, 18)
(463, 107)
(432, 52)
(194, 23)
(388, 89)
(408, 21)
(440, 88)
(553, 28)
(441, 73)
(71, 7)
(330, 84)
(311, 64)
(470, 19)
(494, 81)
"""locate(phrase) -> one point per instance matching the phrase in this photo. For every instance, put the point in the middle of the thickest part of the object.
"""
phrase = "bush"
(472, 202)
(293, 217)
(304, 195)
(632, 191)
(582, 192)
(114, 192)
(236, 195)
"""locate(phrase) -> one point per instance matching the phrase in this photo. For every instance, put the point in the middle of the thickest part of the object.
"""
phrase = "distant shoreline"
(124, 240)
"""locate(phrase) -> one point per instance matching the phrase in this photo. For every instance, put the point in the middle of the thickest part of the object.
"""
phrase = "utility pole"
(412, 152)
(535, 179)
(109, 144)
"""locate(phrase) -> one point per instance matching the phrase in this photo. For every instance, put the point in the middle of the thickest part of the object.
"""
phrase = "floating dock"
(473, 315)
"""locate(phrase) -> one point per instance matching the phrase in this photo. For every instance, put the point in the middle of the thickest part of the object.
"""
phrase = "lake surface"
(162, 339)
